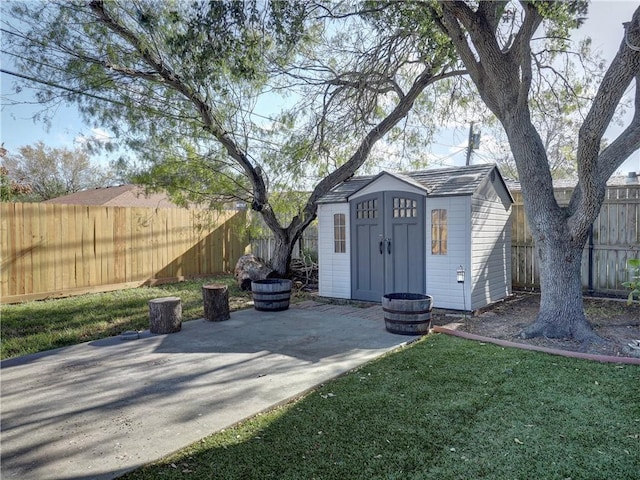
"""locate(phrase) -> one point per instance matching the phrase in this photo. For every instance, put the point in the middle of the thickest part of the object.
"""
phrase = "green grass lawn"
(42, 325)
(444, 408)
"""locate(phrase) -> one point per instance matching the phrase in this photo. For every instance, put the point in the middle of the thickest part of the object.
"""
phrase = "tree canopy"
(37, 172)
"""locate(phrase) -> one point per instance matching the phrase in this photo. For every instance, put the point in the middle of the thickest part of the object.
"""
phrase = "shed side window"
(438, 232)
(339, 233)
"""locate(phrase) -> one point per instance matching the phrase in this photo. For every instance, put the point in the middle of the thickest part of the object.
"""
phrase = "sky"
(604, 27)
(17, 128)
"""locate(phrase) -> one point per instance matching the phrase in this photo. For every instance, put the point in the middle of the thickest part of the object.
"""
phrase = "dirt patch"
(617, 323)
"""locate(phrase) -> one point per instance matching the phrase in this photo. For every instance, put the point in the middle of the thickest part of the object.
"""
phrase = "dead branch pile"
(304, 273)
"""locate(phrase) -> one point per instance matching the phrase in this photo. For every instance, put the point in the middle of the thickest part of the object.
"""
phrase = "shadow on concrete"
(102, 408)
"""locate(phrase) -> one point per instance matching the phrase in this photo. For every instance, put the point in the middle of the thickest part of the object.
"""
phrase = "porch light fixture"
(460, 279)
(460, 274)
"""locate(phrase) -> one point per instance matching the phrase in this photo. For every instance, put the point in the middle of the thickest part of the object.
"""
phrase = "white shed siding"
(441, 281)
(334, 275)
(387, 183)
(490, 251)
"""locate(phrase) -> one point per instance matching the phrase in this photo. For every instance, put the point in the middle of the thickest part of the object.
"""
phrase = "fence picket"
(52, 250)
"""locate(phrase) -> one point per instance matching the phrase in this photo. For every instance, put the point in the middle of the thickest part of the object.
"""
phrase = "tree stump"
(215, 298)
(165, 315)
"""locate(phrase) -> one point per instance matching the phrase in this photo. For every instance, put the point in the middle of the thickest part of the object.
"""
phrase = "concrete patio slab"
(100, 409)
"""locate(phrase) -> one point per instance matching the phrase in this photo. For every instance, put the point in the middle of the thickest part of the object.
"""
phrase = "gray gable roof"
(438, 182)
(340, 192)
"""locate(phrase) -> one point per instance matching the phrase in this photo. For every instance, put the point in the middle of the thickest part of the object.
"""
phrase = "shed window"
(367, 209)
(438, 232)
(404, 208)
(339, 233)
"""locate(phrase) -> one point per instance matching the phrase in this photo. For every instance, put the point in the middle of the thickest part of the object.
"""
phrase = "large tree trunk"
(561, 312)
(281, 257)
(559, 239)
(282, 250)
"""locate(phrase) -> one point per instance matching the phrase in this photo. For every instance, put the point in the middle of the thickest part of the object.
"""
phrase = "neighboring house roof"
(437, 182)
(631, 179)
(120, 196)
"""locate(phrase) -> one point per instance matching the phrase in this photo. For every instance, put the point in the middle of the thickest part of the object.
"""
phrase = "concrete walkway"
(100, 409)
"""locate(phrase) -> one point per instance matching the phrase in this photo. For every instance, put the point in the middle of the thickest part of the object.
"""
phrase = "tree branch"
(454, 30)
(623, 69)
(595, 167)
(130, 72)
(625, 144)
(205, 110)
(360, 155)
(522, 50)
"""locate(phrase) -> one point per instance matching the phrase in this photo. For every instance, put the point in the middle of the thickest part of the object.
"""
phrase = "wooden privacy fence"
(615, 238)
(307, 245)
(51, 250)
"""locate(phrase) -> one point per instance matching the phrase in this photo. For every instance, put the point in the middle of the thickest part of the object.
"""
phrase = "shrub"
(634, 283)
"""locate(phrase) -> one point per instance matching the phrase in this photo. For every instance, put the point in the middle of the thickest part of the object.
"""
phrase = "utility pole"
(474, 143)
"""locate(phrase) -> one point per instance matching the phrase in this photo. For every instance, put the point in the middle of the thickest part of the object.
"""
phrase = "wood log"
(215, 298)
(165, 315)
(250, 268)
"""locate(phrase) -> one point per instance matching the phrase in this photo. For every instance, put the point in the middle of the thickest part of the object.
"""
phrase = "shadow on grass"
(43, 325)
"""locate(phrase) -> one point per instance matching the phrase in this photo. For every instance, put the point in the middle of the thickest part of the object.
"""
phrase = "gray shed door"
(388, 250)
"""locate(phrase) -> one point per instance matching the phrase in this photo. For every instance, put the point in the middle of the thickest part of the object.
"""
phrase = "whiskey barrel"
(271, 294)
(407, 313)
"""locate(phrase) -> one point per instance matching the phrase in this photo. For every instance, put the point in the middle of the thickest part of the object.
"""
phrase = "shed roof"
(438, 182)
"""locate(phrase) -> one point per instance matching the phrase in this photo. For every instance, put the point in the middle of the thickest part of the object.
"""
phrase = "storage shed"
(410, 233)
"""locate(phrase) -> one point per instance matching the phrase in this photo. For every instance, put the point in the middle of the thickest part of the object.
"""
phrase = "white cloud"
(98, 135)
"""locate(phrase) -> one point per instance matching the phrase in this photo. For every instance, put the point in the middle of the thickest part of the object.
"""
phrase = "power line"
(61, 87)
(111, 100)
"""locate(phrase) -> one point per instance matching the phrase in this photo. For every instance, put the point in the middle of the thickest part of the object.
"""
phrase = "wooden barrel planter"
(271, 295)
(407, 313)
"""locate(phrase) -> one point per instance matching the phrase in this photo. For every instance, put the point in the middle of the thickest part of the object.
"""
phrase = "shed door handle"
(389, 246)
(381, 247)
